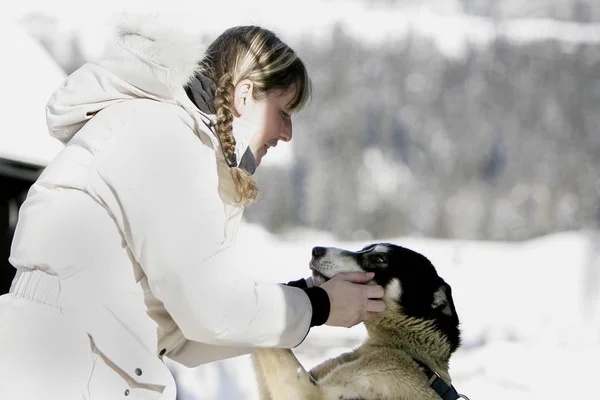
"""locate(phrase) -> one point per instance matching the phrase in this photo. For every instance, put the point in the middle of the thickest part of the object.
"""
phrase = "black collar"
(445, 391)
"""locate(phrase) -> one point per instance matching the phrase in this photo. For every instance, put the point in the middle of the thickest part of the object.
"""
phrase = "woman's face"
(271, 115)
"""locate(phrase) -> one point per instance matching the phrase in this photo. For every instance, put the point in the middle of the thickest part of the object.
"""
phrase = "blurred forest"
(501, 144)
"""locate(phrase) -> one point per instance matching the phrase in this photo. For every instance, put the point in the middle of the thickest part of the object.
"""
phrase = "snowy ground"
(530, 314)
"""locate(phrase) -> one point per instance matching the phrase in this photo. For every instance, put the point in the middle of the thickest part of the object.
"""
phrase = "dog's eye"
(379, 259)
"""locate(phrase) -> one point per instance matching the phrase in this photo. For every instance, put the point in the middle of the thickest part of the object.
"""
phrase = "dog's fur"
(419, 323)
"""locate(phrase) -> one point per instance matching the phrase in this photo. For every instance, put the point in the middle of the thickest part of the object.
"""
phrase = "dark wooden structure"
(15, 180)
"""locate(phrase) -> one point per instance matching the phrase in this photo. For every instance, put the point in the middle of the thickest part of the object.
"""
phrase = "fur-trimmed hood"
(161, 46)
(146, 59)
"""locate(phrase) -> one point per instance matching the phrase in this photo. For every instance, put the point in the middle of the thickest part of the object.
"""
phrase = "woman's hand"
(351, 301)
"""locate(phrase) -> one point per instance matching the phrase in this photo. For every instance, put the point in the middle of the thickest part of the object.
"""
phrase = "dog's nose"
(318, 252)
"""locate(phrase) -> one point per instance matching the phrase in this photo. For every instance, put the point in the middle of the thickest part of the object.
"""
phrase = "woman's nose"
(286, 134)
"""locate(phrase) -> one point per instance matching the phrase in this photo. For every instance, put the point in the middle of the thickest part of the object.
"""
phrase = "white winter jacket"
(126, 230)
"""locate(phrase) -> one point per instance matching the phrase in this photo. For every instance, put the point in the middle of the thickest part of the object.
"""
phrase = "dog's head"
(411, 283)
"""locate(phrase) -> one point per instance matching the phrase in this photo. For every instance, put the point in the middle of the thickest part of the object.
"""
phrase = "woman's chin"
(259, 154)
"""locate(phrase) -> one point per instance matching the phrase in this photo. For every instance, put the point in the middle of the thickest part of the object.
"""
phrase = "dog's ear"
(442, 300)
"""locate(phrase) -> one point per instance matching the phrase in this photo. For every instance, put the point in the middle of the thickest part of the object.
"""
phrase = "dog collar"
(445, 391)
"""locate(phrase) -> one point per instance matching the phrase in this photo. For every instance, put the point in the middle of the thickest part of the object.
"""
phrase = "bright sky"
(442, 21)
(24, 135)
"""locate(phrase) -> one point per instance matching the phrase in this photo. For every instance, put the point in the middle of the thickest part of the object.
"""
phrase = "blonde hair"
(257, 54)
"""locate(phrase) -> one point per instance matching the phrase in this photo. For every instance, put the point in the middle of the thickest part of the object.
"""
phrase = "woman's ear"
(242, 97)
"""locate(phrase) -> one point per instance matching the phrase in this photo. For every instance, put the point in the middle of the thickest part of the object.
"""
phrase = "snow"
(529, 311)
(28, 83)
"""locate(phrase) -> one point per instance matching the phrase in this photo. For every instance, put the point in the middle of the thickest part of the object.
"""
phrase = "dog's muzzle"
(318, 277)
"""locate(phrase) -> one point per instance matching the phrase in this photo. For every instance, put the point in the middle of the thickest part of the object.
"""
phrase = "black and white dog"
(407, 352)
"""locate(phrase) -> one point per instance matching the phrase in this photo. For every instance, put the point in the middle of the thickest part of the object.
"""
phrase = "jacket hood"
(145, 60)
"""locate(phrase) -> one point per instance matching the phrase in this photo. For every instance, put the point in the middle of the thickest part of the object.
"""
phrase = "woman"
(121, 245)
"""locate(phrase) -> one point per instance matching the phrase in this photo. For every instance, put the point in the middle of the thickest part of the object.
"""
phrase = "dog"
(408, 348)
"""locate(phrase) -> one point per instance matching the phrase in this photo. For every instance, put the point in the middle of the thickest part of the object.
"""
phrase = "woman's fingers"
(351, 300)
(375, 306)
(374, 292)
(356, 277)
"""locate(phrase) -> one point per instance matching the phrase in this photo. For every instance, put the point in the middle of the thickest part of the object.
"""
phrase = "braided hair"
(257, 54)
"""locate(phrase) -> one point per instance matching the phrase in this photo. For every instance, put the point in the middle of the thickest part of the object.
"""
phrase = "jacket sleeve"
(162, 189)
